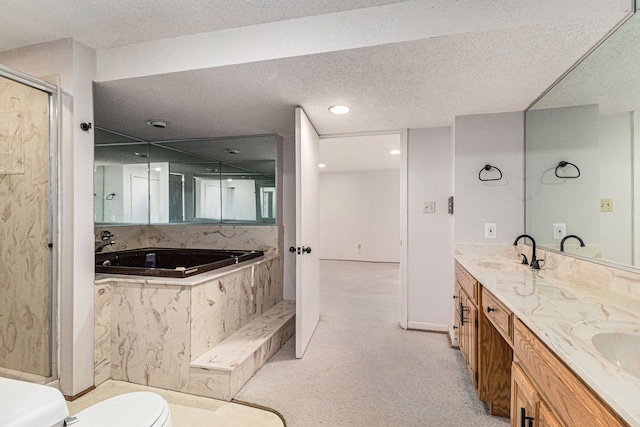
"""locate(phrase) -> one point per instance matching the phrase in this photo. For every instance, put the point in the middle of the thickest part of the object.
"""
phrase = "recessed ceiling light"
(157, 123)
(230, 180)
(157, 169)
(231, 151)
(321, 165)
(394, 152)
(339, 109)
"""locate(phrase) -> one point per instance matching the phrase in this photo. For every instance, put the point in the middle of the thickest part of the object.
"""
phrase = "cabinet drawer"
(467, 282)
(498, 315)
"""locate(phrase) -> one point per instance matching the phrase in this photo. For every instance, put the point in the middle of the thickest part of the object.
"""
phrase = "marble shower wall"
(149, 333)
(24, 229)
(202, 236)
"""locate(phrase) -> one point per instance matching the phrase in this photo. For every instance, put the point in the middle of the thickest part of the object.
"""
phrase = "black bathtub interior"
(169, 262)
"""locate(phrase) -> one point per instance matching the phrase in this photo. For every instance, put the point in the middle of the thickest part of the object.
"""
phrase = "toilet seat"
(136, 409)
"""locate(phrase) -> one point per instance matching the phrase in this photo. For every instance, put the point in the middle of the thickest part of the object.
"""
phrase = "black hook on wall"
(562, 164)
(488, 168)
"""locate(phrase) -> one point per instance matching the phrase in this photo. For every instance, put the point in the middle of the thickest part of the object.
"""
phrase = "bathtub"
(169, 262)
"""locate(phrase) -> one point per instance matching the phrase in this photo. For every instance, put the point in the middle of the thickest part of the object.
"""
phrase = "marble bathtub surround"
(24, 230)
(553, 301)
(149, 330)
(266, 238)
(222, 371)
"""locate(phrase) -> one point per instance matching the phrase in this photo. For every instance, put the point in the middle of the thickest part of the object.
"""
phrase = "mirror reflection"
(229, 180)
(582, 179)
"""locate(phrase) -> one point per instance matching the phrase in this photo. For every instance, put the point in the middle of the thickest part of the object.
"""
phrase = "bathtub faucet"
(106, 239)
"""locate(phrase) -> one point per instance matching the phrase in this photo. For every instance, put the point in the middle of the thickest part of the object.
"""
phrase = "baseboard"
(429, 327)
(79, 395)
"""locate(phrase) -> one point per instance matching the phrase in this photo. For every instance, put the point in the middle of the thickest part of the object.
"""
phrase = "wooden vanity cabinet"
(514, 372)
(564, 400)
(466, 309)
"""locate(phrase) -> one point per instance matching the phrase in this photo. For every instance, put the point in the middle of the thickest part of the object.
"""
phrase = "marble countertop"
(564, 311)
(185, 281)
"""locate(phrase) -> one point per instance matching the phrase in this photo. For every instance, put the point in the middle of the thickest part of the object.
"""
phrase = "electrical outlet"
(429, 207)
(559, 230)
(606, 205)
(490, 231)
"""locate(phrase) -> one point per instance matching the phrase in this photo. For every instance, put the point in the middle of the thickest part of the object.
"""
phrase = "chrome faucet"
(106, 239)
(535, 263)
(568, 237)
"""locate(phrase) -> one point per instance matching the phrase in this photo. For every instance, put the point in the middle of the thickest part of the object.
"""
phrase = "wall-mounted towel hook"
(562, 164)
(488, 168)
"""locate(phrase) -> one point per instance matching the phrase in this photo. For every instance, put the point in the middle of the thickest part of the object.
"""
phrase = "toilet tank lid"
(25, 404)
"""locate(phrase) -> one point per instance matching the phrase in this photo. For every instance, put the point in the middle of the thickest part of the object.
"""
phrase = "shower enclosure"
(28, 227)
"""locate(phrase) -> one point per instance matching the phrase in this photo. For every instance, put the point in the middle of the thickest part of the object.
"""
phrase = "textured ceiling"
(104, 24)
(423, 83)
(482, 57)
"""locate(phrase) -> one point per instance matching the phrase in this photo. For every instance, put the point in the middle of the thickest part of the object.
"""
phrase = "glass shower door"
(25, 232)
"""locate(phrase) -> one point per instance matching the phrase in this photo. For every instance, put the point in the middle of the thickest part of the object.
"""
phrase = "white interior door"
(307, 231)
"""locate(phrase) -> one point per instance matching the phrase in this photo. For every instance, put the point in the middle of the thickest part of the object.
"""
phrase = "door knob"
(292, 249)
(306, 250)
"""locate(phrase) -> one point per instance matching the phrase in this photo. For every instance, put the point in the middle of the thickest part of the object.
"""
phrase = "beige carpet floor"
(362, 369)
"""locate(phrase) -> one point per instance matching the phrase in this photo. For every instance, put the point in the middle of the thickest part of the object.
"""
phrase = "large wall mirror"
(582, 151)
(220, 180)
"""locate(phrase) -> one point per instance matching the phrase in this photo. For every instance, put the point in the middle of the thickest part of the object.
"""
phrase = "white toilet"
(25, 404)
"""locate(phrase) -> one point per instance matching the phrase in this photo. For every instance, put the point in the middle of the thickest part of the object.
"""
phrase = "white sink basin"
(616, 341)
(621, 349)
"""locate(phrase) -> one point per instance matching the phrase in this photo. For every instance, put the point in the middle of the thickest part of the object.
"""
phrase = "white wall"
(498, 140)
(75, 65)
(616, 155)
(570, 134)
(430, 236)
(360, 215)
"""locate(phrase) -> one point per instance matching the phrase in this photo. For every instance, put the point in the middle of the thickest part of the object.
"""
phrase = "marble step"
(222, 370)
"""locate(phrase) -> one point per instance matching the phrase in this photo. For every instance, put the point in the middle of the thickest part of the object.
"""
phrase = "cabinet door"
(524, 399)
(472, 346)
(546, 418)
(456, 308)
(466, 320)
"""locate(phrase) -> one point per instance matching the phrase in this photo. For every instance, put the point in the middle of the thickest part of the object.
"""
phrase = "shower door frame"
(53, 90)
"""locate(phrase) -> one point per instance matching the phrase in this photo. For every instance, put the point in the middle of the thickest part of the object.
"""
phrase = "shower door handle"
(306, 250)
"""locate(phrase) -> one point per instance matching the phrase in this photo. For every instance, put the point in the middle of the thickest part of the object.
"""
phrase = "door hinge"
(477, 376)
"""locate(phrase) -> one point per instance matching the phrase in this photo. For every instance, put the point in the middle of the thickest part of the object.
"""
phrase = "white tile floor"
(186, 410)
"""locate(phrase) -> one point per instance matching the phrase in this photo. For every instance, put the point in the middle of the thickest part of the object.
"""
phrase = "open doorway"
(361, 209)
